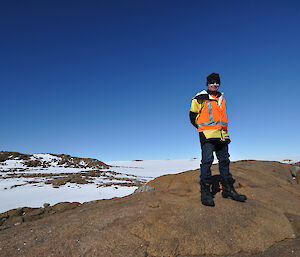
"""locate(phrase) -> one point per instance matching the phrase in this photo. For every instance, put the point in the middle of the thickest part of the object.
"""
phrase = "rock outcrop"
(295, 172)
(26, 161)
(170, 220)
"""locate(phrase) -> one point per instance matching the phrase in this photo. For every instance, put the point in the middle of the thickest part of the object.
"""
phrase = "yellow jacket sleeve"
(197, 105)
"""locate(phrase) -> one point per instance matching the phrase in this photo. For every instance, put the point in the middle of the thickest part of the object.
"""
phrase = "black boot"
(229, 191)
(206, 196)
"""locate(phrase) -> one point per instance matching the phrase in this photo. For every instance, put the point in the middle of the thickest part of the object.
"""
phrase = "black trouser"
(221, 149)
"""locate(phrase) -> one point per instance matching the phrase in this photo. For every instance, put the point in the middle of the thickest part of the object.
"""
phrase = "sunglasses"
(214, 84)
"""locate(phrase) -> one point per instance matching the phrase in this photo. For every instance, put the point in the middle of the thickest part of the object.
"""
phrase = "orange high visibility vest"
(213, 115)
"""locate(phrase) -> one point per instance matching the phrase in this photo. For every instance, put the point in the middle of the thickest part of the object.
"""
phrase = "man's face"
(213, 86)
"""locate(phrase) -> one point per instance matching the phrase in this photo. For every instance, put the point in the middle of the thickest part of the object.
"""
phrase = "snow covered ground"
(154, 168)
(18, 191)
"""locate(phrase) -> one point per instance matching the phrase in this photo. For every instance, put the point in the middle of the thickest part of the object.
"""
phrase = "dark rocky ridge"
(170, 221)
(62, 160)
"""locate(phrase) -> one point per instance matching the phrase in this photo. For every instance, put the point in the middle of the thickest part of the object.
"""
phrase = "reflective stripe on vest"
(211, 119)
(212, 123)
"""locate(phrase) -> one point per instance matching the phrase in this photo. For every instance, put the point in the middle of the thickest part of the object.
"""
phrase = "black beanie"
(214, 77)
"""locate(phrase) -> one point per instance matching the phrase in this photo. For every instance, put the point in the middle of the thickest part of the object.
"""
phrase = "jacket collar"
(206, 95)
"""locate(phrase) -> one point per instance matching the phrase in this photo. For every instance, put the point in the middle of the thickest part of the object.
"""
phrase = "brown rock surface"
(170, 221)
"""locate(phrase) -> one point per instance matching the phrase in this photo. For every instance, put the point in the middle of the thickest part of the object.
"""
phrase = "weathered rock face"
(295, 172)
(18, 216)
(169, 221)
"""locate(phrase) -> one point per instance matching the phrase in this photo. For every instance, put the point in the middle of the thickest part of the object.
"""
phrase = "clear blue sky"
(114, 80)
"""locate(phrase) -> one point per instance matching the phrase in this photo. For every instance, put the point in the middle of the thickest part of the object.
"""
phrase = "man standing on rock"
(208, 115)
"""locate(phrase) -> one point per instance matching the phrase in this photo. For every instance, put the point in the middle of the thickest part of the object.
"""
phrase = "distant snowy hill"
(14, 161)
(32, 180)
